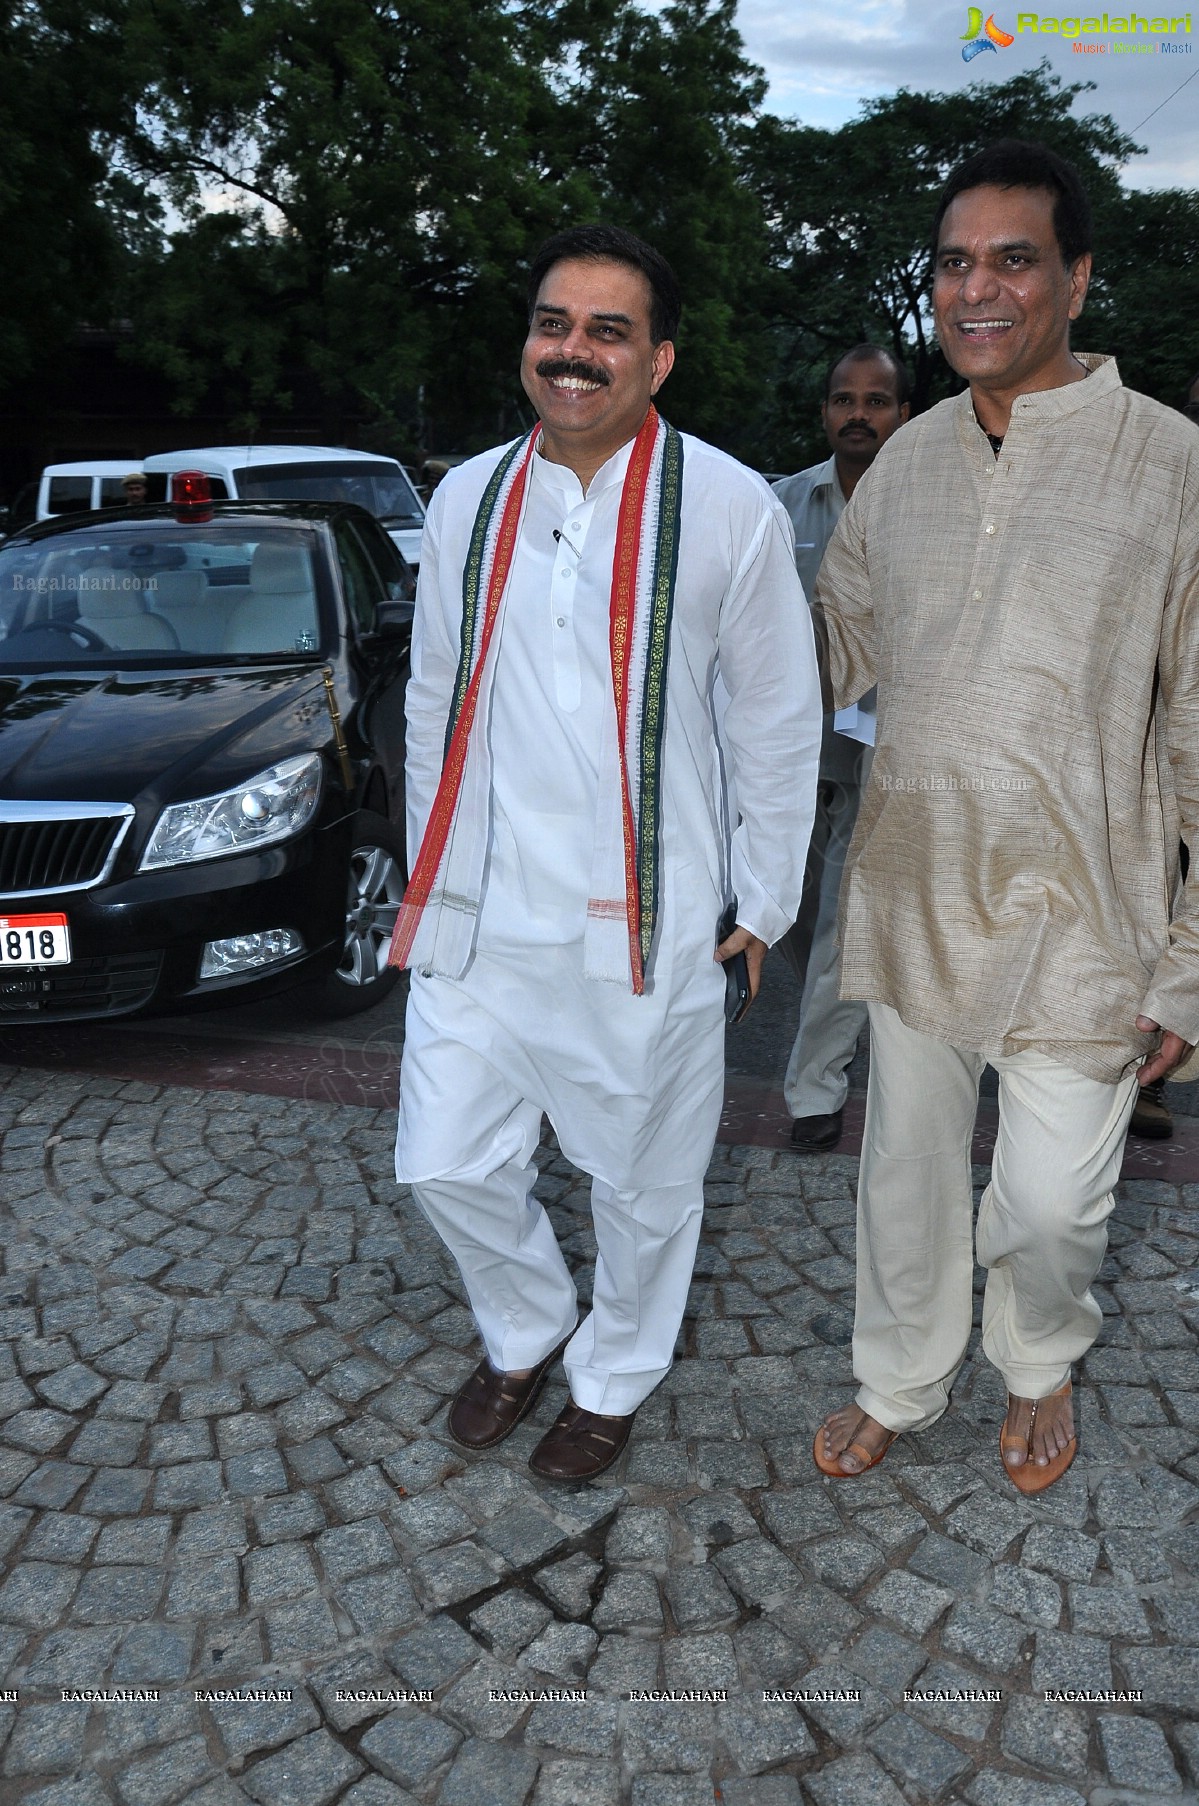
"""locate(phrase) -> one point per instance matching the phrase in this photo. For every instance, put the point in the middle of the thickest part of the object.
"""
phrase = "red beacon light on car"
(191, 495)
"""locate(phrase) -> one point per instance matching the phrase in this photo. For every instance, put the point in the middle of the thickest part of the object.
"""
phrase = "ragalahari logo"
(992, 38)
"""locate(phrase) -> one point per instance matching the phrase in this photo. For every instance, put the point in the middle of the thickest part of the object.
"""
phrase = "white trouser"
(520, 1288)
(829, 1025)
(1042, 1223)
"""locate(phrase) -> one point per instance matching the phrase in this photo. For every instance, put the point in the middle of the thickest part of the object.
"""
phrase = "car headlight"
(277, 803)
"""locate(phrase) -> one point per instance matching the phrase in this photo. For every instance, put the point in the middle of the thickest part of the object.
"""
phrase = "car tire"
(374, 886)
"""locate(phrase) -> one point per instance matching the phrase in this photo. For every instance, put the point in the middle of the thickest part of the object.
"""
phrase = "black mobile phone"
(737, 998)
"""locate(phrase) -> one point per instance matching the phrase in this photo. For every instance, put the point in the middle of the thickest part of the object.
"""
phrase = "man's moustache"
(857, 426)
(551, 367)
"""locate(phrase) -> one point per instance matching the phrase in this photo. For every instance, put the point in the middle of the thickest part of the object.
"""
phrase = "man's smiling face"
(590, 366)
(1003, 299)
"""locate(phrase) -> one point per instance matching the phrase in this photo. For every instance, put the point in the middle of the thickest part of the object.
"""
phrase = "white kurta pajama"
(632, 1084)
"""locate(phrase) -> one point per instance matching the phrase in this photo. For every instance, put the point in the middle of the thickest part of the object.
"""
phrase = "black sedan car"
(201, 757)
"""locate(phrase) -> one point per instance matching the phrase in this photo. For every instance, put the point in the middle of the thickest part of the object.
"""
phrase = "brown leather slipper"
(853, 1448)
(1030, 1478)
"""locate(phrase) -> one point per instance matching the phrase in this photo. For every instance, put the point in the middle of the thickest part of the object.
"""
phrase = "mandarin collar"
(1052, 404)
(562, 478)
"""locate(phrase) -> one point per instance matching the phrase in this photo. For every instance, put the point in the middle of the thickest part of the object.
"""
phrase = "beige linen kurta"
(1032, 622)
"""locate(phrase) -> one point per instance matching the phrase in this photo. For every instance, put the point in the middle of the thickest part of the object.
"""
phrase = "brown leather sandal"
(859, 1449)
(491, 1404)
(1029, 1477)
(580, 1444)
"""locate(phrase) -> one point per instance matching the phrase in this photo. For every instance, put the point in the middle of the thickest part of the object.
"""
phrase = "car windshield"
(381, 488)
(161, 593)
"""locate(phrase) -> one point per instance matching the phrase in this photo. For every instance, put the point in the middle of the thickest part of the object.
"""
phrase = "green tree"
(63, 97)
(849, 214)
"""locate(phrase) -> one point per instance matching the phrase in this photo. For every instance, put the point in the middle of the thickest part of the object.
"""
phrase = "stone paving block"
(447, 1576)
(163, 1777)
(262, 1725)
(256, 1475)
(699, 1598)
(670, 1737)
(919, 1759)
(282, 1571)
(72, 1388)
(987, 1636)
(1111, 1611)
(889, 1661)
(229, 1651)
(563, 1651)
(581, 1729)
(719, 1519)
(289, 1519)
(1033, 1598)
(107, 1444)
(422, 1464)
(994, 1787)
(757, 1735)
(954, 1700)
(217, 1530)
(914, 1603)
(622, 1664)
(375, 1791)
(1048, 1735)
(569, 1584)
(170, 1442)
(46, 1739)
(629, 1601)
(845, 1562)
(509, 1620)
(841, 1703)
(1136, 1754)
(1167, 1677)
(1065, 1660)
(300, 1628)
(577, 1784)
(242, 1434)
(72, 1658)
(118, 1595)
(314, 1461)
(52, 1486)
(949, 1564)
(133, 1540)
(989, 1523)
(853, 1781)
(432, 1653)
(672, 1790)
(1066, 1554)
(153, 1653)
(191, 1484)
(36, 1594)
(488, 1770)
(38, 1432)
(310, 1772)
(758, 1573)
(760, 1790)
(379, 1603)
(408, 1745)
(1134, 1556)
(362, 1495)
(353, 1549)
(522, 1534)
(143, 1725)
(57, 1536)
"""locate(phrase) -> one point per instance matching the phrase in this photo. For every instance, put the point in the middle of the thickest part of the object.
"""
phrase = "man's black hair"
(857, 354)
(1020, 163)
(612, 244)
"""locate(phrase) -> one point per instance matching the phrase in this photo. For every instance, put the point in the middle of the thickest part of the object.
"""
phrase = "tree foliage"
(330, 205)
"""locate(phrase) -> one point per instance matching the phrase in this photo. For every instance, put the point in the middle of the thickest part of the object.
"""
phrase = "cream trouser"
(520, 1288)
(1042, 1223)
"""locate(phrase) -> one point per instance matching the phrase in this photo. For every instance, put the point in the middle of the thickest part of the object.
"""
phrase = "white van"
(89, 483)
(306, 473)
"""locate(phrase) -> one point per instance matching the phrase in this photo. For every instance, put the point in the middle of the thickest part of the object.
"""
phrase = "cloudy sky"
(823, 57)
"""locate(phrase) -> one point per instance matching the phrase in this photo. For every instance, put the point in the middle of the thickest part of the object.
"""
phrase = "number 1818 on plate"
(34, 941)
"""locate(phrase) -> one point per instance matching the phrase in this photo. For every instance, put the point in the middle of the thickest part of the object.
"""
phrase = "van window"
(70, 495)
(379, 487)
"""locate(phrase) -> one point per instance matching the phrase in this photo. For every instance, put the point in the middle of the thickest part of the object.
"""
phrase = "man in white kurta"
(632, 1084)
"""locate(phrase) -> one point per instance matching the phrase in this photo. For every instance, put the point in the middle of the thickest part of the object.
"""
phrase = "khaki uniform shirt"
(1032, 622)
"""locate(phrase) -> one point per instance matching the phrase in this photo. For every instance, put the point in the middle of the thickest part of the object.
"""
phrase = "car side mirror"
(394, 615)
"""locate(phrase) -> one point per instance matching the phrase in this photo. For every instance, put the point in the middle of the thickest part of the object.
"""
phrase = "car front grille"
(48, 847)
(87, 987)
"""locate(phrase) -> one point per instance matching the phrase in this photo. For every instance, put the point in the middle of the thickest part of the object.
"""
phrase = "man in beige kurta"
(1019, 573)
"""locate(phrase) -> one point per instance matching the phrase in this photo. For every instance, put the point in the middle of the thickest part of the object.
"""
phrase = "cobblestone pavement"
(227, 1349)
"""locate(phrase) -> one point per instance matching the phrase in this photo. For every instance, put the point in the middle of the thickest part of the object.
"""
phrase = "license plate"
(34, 941)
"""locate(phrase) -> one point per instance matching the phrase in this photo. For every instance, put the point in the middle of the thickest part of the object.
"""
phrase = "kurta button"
(576, 526)
(990, 527)
(565, 571)
(562, 620)
(977, 596)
